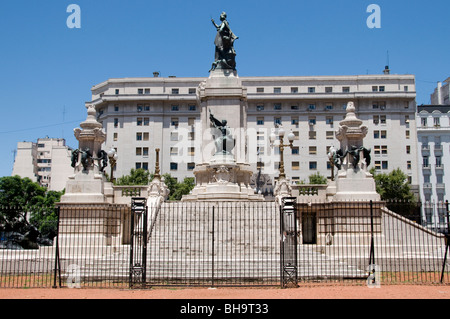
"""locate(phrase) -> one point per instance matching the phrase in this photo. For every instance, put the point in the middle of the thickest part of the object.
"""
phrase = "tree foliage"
(393, 186)
(316, 179)
(144, 177)
(136, 177)
(24, 203)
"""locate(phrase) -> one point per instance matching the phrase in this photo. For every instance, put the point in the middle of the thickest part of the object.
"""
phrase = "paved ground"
(309, 292)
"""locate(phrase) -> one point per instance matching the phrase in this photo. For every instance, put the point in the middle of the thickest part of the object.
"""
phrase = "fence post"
(57, 260)
(447, 240)
(372, 243)
(212, 249)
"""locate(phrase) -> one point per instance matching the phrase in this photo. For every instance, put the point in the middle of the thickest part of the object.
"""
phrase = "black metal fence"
(229, 244)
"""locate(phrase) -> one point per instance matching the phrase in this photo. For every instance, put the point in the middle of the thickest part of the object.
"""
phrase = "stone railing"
(305, 192)
(123, 194)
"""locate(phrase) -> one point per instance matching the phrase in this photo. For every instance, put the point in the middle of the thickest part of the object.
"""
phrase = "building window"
(173, 151)
(294, 89)
(312, 135)
(345, 89)
(383, 134)
(175, 91)
(330, 135)
(116, 108)
(374, 88)
(173, 166)
(145, 151)
(190, 166)
(294, 120)
(174, 121)
(407, 135)
(260, 121)
(382, 119)
(146, 121)
(138, 136)
(295, 151)
(138, 151)
(376, 119)
(384, 165)
(408, 149)
(295, 166)
(376, 134)
(436, 121)
(260, 107)
(139, 121)
(294, 107)
(311, 90)
(408, 165)
(115, 136)
(277, 120)
(175, 108)
(277, 107)
(140, 91)
(139, 108)
(116, 122)
(312, 165)
(312, 150)
(117, 91)
(277, 90)
(192, 90)
(174, 136)
(138, 165)
(259, 90)
(312, 120)
(377, 165)
(192, 107)
(311, 107)
(146, 136)
(147, 91)
(329, 120)
(328, 89)
(328, 106)
(191, 151)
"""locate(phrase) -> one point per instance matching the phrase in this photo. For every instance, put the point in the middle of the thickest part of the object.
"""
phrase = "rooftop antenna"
(386, 68)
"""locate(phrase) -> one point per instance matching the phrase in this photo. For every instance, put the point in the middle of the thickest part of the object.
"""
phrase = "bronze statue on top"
(225, 54)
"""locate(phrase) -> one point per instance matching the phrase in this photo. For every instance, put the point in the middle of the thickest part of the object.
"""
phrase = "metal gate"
(138, 243)
(288, 242)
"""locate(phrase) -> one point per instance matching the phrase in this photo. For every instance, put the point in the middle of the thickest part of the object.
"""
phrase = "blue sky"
(47, 69)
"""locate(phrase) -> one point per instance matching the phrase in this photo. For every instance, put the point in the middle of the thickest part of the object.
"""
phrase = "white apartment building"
(441, 93)
(433, 133)
(142, 114)
(47, 162)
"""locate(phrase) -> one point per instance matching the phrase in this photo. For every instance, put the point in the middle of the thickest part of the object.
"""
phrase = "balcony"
(439, 167)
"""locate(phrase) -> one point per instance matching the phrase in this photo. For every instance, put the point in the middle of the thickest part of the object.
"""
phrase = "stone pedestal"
(223, 175)
(87, 184)
(353, 181)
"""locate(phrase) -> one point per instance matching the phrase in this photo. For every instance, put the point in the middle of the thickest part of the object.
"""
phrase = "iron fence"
(228, 244)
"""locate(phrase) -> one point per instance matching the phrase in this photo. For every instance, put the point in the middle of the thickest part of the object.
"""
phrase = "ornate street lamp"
(274, 142)
(112, 155)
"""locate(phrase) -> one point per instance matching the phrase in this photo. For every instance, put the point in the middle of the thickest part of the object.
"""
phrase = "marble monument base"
(222, 179)
(354, 185)
(85, 187)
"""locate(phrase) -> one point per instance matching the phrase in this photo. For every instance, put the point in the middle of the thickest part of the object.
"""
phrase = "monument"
(87, 184)
(224, 172)
(353, 180)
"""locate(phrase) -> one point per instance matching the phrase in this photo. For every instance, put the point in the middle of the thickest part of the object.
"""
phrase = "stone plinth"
(87, 184)
(353, 181)
(223, 174)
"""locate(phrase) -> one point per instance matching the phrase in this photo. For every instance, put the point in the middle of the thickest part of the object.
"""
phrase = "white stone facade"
(142, 114)
(433, 133)
(47, 161)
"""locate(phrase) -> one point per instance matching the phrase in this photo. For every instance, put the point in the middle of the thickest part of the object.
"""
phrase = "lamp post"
(274, 142)
(112, 155)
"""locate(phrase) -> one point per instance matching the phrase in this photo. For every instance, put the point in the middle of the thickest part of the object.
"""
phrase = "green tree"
(393, 186)
(21, 198)
(136, 177)
(316, 179)
(182, 188)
